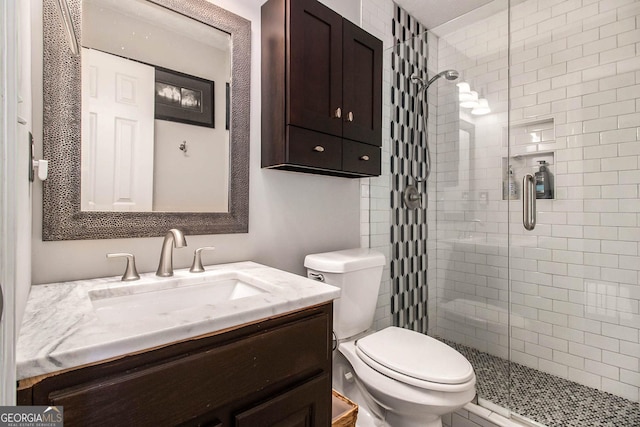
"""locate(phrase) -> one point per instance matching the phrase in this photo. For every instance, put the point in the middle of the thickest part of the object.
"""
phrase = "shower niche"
(521, 164)
(532, 145)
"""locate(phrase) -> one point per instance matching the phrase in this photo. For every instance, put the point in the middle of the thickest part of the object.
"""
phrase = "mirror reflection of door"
(140, 31)
(117, 133)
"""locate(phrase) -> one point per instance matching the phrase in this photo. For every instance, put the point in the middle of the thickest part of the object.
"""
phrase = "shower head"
(447, 74)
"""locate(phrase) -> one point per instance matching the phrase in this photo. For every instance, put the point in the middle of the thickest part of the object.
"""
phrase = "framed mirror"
(181, 160)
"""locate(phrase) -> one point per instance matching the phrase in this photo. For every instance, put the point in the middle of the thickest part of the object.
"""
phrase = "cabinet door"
(362, 85)
(308, 405)
(315, 67)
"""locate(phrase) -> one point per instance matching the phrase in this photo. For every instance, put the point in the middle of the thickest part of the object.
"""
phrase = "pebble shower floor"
(545, 398)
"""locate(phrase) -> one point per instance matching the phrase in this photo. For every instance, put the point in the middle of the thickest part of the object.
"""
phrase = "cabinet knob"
(365, 158)
(318, 148)
(350, 116)
(338, 113)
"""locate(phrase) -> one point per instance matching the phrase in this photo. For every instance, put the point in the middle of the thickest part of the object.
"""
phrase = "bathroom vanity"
(246, 360)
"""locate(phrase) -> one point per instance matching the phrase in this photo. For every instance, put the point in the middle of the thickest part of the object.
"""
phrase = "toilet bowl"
(402, 377)
(417, 383)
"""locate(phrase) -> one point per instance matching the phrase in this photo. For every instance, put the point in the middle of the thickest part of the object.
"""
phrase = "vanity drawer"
(313, 149)
(204, 386)
(360, 158)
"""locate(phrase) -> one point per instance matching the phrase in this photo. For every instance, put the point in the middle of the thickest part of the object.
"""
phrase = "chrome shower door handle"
(529, 202)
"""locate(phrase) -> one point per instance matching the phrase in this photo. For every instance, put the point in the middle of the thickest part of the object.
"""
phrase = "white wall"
(178, 177)
(290, 214)
(377, 17)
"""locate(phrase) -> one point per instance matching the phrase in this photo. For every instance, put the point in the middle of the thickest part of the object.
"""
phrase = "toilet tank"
(357, 272)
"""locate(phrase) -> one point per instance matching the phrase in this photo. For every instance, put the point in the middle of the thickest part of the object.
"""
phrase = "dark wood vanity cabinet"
(321, 91)
(273, 372)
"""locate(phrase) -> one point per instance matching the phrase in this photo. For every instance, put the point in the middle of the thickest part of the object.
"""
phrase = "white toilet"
(404, 377)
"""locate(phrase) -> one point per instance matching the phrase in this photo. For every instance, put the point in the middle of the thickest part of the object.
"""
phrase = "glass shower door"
(574, 119)
(472, 216)
(551, 311)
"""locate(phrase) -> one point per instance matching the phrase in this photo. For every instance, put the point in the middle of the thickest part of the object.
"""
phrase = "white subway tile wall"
(377, 17)
(574, 291)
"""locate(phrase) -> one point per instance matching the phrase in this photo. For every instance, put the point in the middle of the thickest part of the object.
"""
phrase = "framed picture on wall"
(183, 98)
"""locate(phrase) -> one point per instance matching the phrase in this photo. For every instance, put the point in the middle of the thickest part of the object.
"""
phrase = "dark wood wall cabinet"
(273, 372)
(321, 91)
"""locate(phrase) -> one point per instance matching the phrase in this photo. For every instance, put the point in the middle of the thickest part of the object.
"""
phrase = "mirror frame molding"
(62, 216)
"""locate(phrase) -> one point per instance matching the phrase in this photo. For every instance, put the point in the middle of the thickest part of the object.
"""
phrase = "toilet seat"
(415, 359)
(423, 393)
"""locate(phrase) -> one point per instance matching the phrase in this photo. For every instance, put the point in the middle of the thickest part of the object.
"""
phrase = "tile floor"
(547, 399)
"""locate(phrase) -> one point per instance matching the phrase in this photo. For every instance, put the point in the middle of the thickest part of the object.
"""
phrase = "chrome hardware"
(365, 158)
(350, 116)
(338, 113)
(183, 147)
(529, 202)
(173, 238)
(411, 197)
(318, 148)
(196, 266)
(316, 276)
(130, 273)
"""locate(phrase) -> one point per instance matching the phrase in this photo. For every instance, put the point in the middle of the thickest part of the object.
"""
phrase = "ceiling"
(432, 13)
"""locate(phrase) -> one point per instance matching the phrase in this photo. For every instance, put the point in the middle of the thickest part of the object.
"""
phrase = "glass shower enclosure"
(532, 236)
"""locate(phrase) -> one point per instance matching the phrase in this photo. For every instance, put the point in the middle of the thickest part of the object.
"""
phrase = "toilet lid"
(416, 355)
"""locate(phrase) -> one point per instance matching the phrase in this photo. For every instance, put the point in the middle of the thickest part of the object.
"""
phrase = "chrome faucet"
(173, 238)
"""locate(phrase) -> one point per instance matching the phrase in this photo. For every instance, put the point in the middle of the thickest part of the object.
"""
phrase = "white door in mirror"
(117, 133)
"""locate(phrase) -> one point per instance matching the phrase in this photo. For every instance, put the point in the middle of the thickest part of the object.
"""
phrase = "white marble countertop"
(62, 329)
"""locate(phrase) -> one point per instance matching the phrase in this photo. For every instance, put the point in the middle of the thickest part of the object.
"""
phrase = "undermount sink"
(168, 296)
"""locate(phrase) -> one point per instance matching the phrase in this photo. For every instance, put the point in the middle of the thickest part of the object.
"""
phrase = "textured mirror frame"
(62, 217)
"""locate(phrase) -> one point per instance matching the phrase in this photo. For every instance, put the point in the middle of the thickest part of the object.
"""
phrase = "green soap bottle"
(543, 182)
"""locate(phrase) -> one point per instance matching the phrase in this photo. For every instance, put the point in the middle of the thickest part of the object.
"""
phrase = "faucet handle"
(197, 267)
(130, 272)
